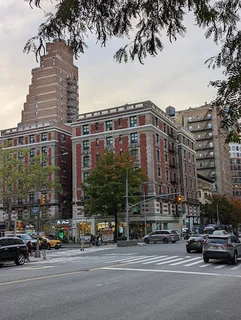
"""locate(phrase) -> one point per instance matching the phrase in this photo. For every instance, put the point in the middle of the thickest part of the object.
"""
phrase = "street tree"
(105, 187)
(20, 175)
(143, 24)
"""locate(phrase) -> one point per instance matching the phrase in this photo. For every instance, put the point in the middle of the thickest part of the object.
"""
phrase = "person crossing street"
(82, 242)
(44, 247)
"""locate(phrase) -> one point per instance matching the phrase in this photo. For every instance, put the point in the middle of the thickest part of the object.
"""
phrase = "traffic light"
(180, 198)
(43, 199)
(19, 225)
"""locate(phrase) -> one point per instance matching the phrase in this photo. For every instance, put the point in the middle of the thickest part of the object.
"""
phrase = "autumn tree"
(143, 24)
(105, 187)
(20, 175)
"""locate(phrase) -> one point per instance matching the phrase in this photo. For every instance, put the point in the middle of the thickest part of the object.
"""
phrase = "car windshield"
(195, 238)
(26, 237)
(217, 240)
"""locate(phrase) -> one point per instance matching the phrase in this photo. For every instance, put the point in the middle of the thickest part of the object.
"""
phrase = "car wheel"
(188, 250)
(235, 258)
(56, 247)
(146, 241)
(173, 241)
(165, 240)
(206, 260)
(49, 246)
(20, 260)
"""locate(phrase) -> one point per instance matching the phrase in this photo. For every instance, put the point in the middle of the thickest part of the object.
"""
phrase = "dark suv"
(12, 249)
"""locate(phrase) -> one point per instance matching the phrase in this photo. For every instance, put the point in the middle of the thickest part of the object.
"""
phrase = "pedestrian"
(44, 247)
(82, 242)
(30, 249)
(97, 241)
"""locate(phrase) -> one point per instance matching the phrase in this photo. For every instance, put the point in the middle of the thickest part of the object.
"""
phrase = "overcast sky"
(177, 77)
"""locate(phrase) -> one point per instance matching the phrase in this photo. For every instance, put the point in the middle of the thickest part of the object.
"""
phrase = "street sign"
(35, 211)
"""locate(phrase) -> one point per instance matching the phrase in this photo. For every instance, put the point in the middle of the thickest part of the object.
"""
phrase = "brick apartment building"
(51, 105)
(235, 161)
(151, 136)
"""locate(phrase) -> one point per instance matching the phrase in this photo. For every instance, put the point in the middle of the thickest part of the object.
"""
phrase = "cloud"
(177, 76)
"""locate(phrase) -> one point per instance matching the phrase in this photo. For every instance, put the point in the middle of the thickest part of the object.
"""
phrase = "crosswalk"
(155, 261)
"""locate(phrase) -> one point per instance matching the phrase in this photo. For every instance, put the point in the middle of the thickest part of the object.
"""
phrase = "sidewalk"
(74, 245)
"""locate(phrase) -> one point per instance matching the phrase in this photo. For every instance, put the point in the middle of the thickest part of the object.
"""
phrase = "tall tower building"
(53, 92)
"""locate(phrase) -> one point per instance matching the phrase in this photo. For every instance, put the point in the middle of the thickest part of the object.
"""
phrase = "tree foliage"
(20, 175)
(143, 23)
(105, 187)
(229, 211)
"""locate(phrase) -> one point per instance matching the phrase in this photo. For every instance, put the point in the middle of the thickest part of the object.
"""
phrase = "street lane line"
(204, 265)
(236, 268)
(174, 271)
(160, 258)
(193, 263)
(220, 266)
(150, 258)
(175, 264)
(168, 261)
(127, 259)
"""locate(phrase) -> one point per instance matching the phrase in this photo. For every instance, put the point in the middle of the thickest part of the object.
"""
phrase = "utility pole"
(144, 198)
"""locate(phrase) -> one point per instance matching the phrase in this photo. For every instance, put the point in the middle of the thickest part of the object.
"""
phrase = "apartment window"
(199, 194)
(97, 156)
(209, 125)
(209, 116)
(211, 144)
(165, 143)
(109, 142)
(86, 129)
(134, 137)
(190, 128)
(20, 140)
(133, 121)
(53, 61)
(97, 142)
(108, 125)
(167, 175)
(166, 158)
(157, 139)
(31, 197)
(63, 181)
(86, 145)
(174, 177)
(120, 122)
(44, 136)
(32, 153)
(186, 181)
(156, 122)
(158, 155)
(134, 154)
(121, 151)
(164, 127)
(86, 161)
(210, 134)
(158, 171)
(20, 155)
(85, 175)
(63, 138)
(120, 138)
(200, 165)
(193, 159)
(42, 63)
(184, 154)
(97, 126)
(45, 150)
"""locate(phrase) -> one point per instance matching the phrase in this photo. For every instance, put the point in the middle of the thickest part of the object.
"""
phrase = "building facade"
(213, 160)
(235, 161)
(151, 137)
(53, 93)
(52, 141)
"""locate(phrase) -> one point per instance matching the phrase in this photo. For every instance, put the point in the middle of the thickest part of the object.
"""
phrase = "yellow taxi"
(56, 244)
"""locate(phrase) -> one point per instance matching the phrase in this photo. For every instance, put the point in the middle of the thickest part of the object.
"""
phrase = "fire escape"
(72, 99)
(203, 133)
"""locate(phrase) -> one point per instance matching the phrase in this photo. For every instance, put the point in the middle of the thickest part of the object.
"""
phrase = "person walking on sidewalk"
(44, 247)
(82, 242)
(30, 249)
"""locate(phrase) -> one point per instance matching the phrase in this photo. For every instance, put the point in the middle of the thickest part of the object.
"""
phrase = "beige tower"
(53, 93)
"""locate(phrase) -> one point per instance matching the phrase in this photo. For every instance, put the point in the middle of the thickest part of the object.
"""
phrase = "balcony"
(71, 80)
(199, 119)
(72, 97)
(71, 103)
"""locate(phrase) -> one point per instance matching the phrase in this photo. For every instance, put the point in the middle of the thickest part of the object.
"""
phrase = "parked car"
(196, 243)
(224, 247)
(25, 237)
(12, 249)
(219, 232)
(56, 244)
(164, 236)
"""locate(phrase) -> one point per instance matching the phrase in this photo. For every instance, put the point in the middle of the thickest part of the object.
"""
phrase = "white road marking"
(193, 263)
(174, 271)
(236, 268)
(220, 266)
(174, 264)
(160, 258)
(130, 259)
(150, 258)
(165, 262)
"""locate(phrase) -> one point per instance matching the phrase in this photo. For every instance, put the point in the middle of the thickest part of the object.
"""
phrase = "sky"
(178, 76)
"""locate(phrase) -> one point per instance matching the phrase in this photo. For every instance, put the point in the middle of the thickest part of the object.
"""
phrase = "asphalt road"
(151, 281)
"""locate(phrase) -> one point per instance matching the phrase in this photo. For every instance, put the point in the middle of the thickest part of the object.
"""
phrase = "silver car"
(224, 247)
(164, 236)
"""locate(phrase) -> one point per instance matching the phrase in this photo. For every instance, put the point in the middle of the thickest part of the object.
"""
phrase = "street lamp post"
(127, 207)
(37, 253)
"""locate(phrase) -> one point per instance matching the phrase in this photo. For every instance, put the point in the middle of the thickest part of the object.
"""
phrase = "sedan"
(196, 243)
